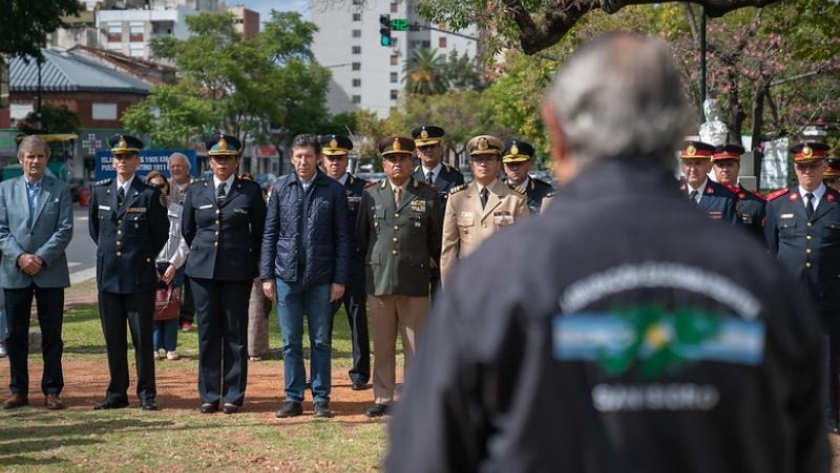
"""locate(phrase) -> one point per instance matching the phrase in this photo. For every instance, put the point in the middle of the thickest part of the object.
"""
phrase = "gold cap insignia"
(222, 145)
(397, 146)
(514, 150)
(691, 150)
(807, 151)
(482, 144)
(424, 134)
(122, 144)
(333, 143)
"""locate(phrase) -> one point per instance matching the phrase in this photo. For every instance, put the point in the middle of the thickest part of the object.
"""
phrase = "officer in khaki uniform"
(398, 228)
(481, 208)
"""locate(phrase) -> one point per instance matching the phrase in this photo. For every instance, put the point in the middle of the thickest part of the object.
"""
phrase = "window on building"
(442, 42)
(357, 82)
(357, 50)
(136, 30)
(357, 17)
(136, 50)
(357, 99)
(357, 66)
(394, 78)
(104, 111)
(395, 59)
(426, 44)
(393, 7)
(114, 32)
(395, 94)
(357, 33)
(358, 2)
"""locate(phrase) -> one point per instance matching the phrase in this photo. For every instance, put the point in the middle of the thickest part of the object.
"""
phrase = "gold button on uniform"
(396, 239)
(397, 215)
(119, 232)
(396, 227)
(807, 265)
(394, 252)
(808, 237)
(808, 251)
(119, 253)
(215, 243)
(217, 233)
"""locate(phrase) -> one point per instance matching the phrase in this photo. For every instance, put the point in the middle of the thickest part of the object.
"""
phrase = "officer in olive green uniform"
(399, 229)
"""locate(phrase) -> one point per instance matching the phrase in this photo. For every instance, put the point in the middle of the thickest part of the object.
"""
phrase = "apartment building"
(367, 75)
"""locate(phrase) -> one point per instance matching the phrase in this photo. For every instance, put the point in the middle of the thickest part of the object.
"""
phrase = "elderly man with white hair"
(621, 331)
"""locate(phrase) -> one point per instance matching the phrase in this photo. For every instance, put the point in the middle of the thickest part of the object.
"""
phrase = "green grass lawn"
(180, 439)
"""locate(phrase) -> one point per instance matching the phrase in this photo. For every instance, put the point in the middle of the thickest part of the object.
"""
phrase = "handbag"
(167, 302)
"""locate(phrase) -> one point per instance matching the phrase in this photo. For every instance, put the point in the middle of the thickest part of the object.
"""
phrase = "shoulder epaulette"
(777, 194)
(457, 189)
(518, 189)
(756, 194)
(551, 194)
(416, 168)
(103, 182)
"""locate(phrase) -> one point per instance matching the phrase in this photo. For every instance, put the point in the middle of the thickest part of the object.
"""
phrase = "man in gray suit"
(36, 225)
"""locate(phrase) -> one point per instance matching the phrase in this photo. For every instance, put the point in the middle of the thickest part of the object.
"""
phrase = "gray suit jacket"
(49, 235)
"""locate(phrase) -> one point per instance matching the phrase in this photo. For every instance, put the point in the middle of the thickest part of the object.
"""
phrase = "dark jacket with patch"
(128, 238)
(224, 235)
(808, 247)
(650, 341)
(750, 210)
(310, 246)
(717, 202)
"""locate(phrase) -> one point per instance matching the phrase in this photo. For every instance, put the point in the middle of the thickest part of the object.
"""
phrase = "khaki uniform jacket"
(399, 240)
(466, 224)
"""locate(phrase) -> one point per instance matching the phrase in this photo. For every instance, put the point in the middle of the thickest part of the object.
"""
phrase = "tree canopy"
(266, 88)
(538, 24)
(26, 24)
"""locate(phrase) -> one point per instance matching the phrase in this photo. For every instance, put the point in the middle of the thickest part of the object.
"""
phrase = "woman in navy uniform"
(127, 220)
(223, 224)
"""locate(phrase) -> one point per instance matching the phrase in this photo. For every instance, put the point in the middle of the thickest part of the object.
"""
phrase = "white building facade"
(367, 75)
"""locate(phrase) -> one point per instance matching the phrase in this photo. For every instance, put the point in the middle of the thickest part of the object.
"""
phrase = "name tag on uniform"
(136, 210)
(240, 211)
(205, 207)
(786, 216)
(418, 206)
(502, 218)
(104, 207)
(715, 214)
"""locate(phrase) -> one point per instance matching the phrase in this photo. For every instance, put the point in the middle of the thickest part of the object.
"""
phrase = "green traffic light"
(385, 41)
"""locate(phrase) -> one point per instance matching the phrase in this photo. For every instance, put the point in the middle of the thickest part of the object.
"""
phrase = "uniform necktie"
(692, 196)
(397, 196)
(120, 196)
(484, 195)
(809, 207)
(430, 176)
(220, 191)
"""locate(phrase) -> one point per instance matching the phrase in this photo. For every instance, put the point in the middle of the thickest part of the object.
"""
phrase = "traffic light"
(385, 30)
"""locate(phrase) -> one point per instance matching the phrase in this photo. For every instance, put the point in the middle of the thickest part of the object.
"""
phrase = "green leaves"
(242, 87)
(26, 23)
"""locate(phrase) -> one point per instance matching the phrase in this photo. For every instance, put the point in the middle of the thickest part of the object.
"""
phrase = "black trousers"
(187, 303)
(221, 309)
(50, 307)
(138, 310)
(355, 301)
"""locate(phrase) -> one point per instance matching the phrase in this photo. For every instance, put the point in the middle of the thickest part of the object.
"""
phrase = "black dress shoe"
(359, 386)
(229, 408)
(149, 405)
(209, 408)
(289, 409)
(377, 410)
(322, 410)
(17, 400)
(111, 404)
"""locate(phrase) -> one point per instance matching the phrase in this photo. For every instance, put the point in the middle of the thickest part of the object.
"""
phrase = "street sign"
(399, 24)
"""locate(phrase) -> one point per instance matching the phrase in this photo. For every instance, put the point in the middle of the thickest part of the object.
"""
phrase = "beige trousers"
(390, 314)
